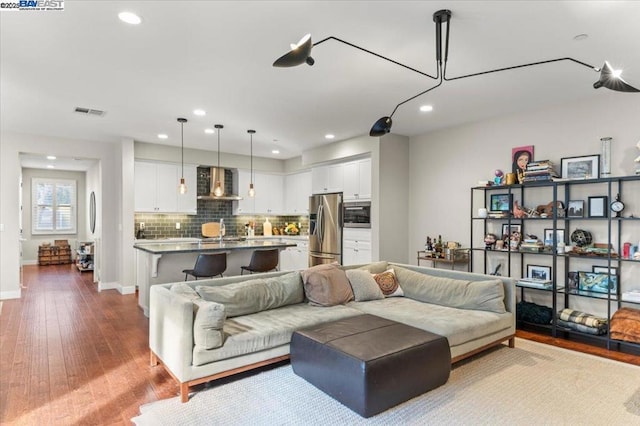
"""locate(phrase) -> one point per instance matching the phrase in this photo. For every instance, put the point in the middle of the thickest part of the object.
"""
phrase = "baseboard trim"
(29, 262)
(116, 286)
(16, 294)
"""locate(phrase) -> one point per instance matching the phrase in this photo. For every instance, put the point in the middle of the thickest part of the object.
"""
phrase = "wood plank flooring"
(70, 355)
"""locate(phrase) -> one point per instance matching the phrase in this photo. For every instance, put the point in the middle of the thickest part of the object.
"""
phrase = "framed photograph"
(510, 229)
(539, 272)
(597, 283)
(575, 208)
(585, 167)
(598, 206)
(501, 203)
(604, 270)
(572, 280)
(548, 236)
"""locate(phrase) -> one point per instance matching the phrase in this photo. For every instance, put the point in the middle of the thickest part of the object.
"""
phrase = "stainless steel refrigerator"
(325, 228)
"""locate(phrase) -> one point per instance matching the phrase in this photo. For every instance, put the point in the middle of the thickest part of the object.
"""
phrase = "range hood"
(218, 174)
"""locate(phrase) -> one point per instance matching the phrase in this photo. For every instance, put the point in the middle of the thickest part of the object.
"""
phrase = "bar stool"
(262, 261)
(207, 266)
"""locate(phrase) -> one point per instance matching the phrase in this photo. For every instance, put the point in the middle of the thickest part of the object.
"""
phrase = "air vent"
(89, 111)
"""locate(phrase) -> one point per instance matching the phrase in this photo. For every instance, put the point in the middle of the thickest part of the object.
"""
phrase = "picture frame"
(520, 157)
(598, 206)
(583, 167)
(604, 270)
(510, 229)
(548, 235)
(539, 272)
(575, 208)
(597, 283)
(501, 203)
(572, 280)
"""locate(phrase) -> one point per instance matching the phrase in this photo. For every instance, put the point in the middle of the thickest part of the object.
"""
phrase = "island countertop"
(167, 247)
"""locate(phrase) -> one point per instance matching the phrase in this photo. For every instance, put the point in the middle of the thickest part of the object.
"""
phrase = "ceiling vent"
(89, 111)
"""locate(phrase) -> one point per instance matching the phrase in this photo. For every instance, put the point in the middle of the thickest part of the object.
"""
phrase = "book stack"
(539, 171)
(535, 283)
(531, 246)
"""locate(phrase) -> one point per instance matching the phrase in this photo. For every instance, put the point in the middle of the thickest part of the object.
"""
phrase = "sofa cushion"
(248, 297)
(485, 295)
(208, 318)
(363, 285)
(388, 283)
(376, 267)
(326, 285)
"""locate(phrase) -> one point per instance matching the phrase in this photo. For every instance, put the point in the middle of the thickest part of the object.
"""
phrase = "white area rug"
(531, 384)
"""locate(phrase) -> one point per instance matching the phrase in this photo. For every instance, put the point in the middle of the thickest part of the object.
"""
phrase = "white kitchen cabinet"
(357, 180)
(297, 189)
(326, 179)
(356, 246)
(294, 258)
(269, 193)
(156, 188)
(247, 204)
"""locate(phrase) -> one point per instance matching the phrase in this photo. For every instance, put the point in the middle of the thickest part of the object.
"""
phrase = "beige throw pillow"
(388, 283)
(326, 285)
(363, 285)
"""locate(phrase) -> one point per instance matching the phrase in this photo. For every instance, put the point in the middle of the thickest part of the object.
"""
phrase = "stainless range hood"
(218, 174)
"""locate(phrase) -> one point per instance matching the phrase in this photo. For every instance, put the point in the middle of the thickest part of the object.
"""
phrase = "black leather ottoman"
(370, 363)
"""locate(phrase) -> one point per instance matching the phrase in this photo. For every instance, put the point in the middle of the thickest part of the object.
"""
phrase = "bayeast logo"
(33, 5)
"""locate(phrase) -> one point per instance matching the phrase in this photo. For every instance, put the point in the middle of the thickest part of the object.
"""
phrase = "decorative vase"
(605, 157)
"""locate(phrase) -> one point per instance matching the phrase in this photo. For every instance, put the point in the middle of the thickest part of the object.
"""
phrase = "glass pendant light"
(252, 192)
(183, 186)
(218, 191)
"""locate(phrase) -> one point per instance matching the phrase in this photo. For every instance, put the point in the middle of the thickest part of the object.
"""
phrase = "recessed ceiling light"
(275, 151)
(199, 112)
(580, 37)
(162, 136)
(426, 108)
(51, 157)
(129, 18)
(50, 166)
(329, 136)
(209, 131)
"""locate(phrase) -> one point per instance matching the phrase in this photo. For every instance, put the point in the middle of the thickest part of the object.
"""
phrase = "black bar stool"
(262, 261)
(207, 266)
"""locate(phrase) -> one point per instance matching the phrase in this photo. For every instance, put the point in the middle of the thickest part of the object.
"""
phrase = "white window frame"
(54, 206)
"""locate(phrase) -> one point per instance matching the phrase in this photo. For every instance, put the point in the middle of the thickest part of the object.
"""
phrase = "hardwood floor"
(70, 355)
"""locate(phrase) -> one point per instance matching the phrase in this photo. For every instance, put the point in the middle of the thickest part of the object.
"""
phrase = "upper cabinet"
(357, 180)
(326, 179)
(269, 193)
(297, 189)
(156, 188)
(247, 204)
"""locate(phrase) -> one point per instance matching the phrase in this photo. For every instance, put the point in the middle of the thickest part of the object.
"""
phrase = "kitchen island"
(162, 261)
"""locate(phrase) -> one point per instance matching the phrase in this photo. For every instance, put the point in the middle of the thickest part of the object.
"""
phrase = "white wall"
(30, 246)
(444, 165)
(109, 192)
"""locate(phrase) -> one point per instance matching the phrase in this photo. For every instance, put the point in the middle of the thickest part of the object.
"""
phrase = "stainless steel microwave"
(356, 214)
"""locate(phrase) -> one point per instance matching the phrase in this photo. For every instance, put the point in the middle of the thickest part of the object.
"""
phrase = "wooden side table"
(455, 257)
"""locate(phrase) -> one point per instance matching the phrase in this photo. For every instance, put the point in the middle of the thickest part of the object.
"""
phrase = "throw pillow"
(185, 290)
(376, 267)
(248, 297)
(388, 283)
(363, 285)
(207, 324)
(326, 285)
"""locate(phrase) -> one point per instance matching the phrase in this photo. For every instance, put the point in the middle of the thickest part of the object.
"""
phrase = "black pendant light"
(252, 192)
(301, 53)
(182, 188)
(218, 190)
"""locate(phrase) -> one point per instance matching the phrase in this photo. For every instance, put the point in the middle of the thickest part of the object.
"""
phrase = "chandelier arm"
(375, 54)
(519, 66)
(413, 97)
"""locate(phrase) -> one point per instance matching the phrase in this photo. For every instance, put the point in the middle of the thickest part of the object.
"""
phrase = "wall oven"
(356, 214)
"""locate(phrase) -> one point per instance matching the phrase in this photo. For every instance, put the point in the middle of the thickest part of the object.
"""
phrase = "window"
(54, 206)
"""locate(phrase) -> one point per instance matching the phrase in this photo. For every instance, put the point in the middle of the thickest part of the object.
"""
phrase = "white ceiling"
(217, 56)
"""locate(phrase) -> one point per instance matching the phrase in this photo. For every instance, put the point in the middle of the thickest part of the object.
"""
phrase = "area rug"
(530, 384)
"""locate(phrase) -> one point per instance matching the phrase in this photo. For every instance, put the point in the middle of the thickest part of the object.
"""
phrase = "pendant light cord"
(182, 139)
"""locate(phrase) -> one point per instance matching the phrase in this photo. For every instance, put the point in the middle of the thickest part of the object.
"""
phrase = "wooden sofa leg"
(184, 392)
(512, 342)
(153, 359)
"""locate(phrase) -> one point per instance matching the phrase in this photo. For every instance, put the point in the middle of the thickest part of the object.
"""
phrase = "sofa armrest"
(171, 330)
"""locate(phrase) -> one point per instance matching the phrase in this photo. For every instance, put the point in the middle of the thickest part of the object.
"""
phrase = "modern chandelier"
(300, 53)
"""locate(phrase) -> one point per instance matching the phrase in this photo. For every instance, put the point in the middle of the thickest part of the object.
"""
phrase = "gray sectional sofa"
(208, 329)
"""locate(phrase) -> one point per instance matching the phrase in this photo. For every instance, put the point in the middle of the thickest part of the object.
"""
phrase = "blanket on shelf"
(625, 325)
